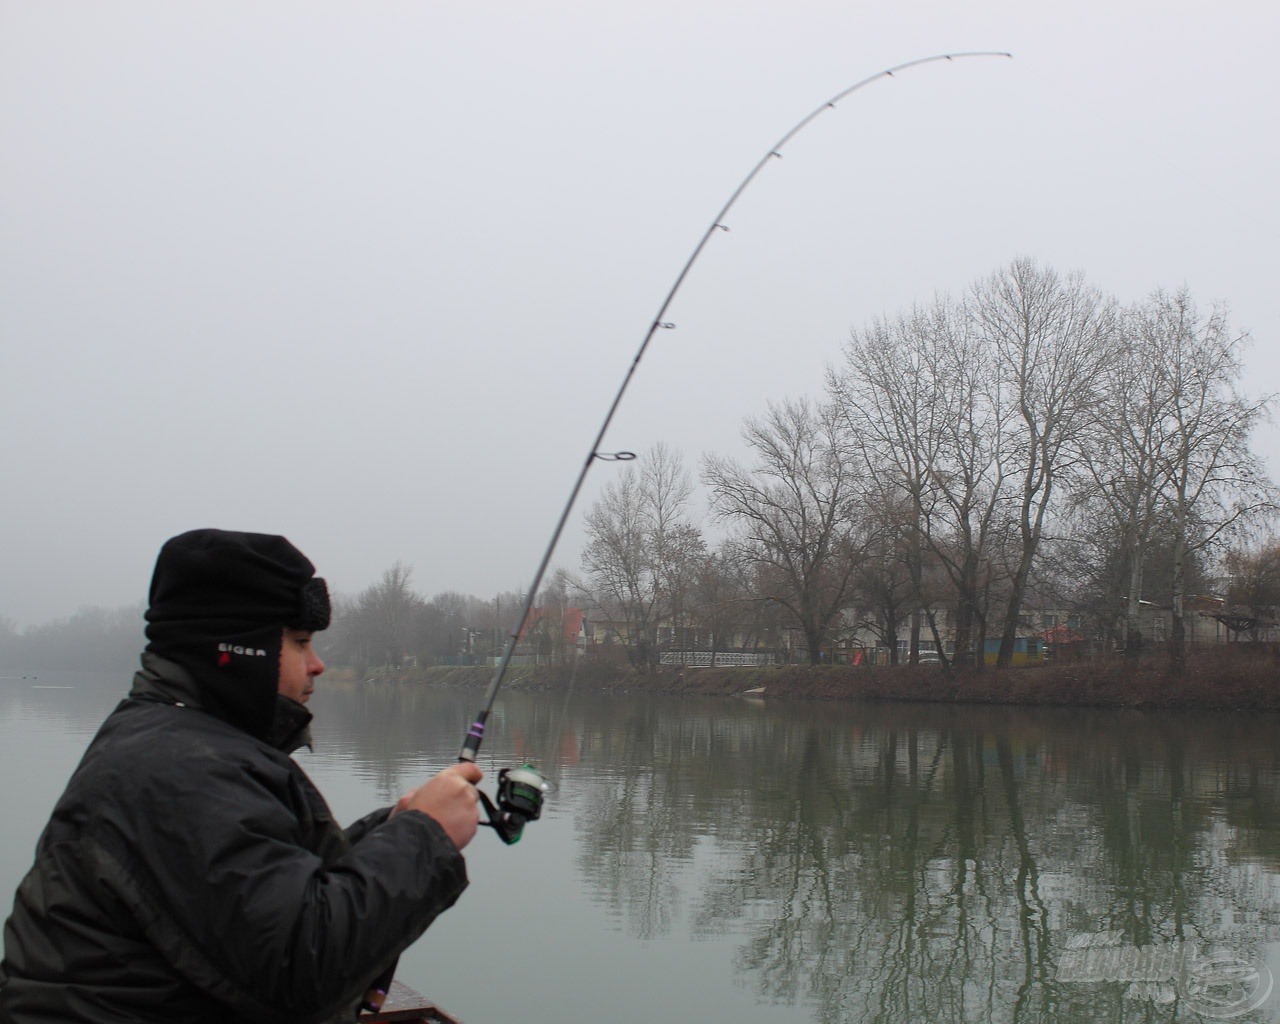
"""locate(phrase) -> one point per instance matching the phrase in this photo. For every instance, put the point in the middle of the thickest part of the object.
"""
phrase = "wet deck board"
(408, 1007)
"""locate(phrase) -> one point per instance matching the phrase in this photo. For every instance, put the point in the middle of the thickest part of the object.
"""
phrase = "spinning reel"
(520, 795)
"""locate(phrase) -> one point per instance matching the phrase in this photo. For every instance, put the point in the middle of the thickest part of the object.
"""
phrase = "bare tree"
(444, 632)
(795, 508)
(1053, 339)
(1089, 567)
(639, 539)
(1121, 451)
(1213, 481)
(967, 516)
(380, 625)
(886, 586)
(889, 399)
(1253, 590)
(922, 397)
(721, 598)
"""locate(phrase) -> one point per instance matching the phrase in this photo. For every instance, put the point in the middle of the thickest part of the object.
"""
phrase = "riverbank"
(1227, 678)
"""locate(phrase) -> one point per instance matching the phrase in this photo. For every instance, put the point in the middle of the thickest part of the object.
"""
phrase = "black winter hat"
(219, 602)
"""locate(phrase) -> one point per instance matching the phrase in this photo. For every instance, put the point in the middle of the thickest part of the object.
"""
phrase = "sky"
(369, 274)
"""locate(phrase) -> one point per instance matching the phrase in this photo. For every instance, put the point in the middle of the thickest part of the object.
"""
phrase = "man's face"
(299, 665)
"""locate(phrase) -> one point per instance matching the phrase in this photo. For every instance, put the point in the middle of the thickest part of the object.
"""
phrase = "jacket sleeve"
(234, 898)
(357, 830)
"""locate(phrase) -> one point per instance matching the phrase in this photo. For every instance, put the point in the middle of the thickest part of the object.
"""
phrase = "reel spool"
(521, 792)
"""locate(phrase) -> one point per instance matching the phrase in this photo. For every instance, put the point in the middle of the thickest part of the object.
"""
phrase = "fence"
(723, 659)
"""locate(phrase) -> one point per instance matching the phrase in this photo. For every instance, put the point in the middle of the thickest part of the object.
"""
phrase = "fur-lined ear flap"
(316, 610)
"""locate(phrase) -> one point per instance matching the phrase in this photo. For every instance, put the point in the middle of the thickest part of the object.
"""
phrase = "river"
(727, 860)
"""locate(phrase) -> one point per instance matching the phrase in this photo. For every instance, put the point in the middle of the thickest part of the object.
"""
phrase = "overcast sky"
(368, 274)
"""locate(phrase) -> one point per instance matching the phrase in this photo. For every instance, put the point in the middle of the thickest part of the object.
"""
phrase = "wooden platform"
(409, 1007)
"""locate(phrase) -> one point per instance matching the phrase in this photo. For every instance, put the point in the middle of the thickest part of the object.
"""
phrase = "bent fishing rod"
(521, 790)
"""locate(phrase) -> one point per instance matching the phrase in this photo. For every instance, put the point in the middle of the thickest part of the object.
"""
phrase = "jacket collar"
(165, 682)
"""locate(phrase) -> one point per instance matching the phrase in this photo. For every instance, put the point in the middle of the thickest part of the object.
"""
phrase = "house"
(1027, 650)
(550, 635)
(1062, 643)
(1199, 620)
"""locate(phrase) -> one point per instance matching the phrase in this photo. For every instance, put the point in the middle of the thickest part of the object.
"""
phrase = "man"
(191, 871)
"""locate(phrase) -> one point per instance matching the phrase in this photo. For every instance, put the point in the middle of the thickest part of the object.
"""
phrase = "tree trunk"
(1178, 629)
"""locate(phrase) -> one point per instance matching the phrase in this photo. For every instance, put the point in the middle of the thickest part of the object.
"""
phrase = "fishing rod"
(521, 790)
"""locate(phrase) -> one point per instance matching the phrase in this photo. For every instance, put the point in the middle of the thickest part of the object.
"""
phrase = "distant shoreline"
(1223, 679)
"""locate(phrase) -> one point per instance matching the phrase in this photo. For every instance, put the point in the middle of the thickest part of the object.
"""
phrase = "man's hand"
(451, 799)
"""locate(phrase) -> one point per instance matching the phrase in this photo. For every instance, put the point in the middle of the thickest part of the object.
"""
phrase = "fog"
(368, 275)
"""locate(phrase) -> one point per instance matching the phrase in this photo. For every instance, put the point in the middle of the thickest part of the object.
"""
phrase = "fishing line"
(475, 736)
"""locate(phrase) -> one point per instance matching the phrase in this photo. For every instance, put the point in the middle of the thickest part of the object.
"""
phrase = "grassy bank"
(1224, 678)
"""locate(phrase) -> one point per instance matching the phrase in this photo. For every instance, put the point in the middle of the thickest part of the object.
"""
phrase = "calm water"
(733, 861)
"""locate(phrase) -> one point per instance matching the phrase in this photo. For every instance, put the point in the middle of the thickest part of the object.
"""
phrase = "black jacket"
(192, 872)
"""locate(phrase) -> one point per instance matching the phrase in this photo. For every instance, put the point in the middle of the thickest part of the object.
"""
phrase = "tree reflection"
(892, 863)
(901, 864)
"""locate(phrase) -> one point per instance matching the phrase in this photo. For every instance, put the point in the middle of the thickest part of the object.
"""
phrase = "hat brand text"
(255, 652)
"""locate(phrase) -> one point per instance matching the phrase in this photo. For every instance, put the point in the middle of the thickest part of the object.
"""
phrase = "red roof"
(572, 621)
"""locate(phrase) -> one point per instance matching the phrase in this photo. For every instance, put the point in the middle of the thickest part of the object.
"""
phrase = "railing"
(722, 659)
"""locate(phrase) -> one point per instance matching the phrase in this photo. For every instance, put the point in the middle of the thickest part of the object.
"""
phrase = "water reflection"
(845, 863)
(909, 863)
(899, 863)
